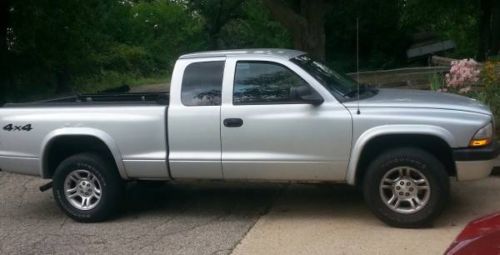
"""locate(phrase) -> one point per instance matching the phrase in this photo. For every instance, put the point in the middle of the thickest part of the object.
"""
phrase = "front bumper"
(476, 163)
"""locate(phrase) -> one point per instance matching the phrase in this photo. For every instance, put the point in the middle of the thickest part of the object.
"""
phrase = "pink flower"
(463, 74)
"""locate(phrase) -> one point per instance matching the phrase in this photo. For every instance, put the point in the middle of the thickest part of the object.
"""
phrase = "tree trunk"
(315, 12)
(213, 40)
(307, 27)
(484, 29)
(215, 27)
(225, 11)
(495, 29)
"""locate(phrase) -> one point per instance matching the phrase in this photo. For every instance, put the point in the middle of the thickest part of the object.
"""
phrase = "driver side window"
(257, 82)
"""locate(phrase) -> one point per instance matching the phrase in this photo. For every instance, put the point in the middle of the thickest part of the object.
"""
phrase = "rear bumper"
(473, 164)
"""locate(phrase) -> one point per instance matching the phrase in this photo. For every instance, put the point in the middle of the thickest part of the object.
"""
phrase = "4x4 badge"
(12, 127)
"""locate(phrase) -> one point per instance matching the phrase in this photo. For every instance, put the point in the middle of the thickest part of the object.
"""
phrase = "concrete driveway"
(238, 218)
(327, 220)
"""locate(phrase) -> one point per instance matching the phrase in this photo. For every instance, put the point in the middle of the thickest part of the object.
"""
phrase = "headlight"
(482, 137)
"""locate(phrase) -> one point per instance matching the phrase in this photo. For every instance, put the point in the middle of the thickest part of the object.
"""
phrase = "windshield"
(333, 81)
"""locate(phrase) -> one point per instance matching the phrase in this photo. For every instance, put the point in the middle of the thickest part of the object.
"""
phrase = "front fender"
(96, 133)
(370, 134)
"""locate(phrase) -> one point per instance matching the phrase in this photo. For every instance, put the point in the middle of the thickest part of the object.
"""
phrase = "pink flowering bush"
(463, 75)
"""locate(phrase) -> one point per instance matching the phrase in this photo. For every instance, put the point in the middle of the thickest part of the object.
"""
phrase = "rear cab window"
(202, 83)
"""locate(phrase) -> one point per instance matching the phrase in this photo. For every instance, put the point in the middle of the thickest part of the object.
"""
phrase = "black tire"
(426, 164)
(111, 186)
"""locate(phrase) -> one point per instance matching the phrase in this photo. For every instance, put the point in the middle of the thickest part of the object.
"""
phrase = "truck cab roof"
(281, 53)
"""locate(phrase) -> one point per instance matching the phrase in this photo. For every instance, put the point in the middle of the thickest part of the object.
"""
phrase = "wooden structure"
(411, 77)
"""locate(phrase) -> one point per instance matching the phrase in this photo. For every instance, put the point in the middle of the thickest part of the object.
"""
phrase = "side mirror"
(314, 99)
(308, 95)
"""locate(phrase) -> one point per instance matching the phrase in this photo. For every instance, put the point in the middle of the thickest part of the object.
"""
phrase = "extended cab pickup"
(260, 115)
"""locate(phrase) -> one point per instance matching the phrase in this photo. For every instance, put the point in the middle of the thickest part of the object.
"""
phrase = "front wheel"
(406, 187)
(87, 188)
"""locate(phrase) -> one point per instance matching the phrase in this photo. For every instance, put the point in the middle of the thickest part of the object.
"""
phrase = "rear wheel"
(87, 188)
(406, 187)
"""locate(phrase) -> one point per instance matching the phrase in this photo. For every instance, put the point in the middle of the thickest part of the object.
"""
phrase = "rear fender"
(96, 133)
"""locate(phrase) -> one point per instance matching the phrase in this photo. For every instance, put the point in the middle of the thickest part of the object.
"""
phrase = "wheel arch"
(392, 136)
(80, 140)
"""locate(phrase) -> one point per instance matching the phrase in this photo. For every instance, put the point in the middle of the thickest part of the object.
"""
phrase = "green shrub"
(436, 82)
(490, 93)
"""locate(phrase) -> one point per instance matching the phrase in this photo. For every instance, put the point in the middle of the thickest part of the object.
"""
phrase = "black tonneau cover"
(101, 99)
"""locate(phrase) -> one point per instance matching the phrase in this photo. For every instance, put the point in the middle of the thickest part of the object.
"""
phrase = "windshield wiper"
(354, 91)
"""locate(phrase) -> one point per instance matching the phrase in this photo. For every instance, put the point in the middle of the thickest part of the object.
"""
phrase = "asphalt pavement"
(204, 218)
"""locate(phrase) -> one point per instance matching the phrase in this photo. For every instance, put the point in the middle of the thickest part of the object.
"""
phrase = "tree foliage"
(216, 14)
(51, 47)
(473, 24)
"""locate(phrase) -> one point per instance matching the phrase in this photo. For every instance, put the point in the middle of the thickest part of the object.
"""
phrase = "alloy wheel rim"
(405, 190)
(82, 190)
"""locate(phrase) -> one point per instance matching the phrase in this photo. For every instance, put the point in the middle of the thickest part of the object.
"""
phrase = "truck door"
(268, 133)
(194, 119)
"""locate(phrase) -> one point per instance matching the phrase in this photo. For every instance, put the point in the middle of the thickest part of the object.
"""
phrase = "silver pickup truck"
(253, 115)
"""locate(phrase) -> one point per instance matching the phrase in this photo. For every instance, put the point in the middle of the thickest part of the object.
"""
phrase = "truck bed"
(101, 99)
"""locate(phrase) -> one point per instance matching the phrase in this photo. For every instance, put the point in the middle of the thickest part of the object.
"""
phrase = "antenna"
(357, 59)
